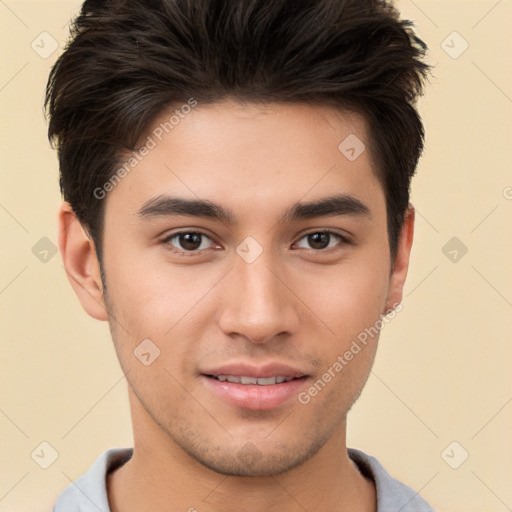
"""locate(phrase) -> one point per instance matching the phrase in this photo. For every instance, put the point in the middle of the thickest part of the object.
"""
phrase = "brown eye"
(320, 240)
(188, 241)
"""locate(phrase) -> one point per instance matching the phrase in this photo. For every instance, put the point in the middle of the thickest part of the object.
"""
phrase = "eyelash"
(166, 241)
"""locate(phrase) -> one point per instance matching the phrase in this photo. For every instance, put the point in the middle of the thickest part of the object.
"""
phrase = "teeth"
(261, 381)
(265, 381)
(248, 380)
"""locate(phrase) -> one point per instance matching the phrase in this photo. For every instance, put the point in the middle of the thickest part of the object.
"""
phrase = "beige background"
(443, 371)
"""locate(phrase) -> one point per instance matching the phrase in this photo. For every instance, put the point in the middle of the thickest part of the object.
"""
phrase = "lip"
(254, 396)
(266, 370)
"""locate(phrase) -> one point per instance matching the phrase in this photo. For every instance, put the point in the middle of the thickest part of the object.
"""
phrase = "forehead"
(251, 155)
(278, 130)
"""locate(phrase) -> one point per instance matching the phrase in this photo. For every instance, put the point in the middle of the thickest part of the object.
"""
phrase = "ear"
(81, 264)
(401, 263)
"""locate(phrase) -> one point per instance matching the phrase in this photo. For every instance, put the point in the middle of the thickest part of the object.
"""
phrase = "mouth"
(247, 380)
(254, 388)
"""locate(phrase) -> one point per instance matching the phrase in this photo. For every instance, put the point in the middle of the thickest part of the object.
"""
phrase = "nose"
(257, 303)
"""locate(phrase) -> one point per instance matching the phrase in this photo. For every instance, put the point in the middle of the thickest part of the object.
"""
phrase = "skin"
(295, 304)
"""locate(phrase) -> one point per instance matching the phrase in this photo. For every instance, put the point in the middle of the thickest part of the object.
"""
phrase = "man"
(236, 183)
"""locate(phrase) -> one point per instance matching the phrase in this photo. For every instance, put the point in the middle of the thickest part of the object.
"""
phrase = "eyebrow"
(332, 206)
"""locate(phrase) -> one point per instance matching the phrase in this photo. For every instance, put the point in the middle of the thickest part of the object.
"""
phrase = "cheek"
(151, 296)
(350, 304)
(349, 297)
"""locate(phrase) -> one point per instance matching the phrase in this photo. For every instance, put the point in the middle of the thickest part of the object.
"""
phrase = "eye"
(188, 242)
(321, 240)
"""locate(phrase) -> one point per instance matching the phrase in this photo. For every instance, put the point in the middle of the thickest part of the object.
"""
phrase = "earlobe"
(401, 263)
(81, 263)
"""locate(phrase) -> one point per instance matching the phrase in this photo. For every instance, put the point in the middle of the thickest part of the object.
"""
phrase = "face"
(271, 276)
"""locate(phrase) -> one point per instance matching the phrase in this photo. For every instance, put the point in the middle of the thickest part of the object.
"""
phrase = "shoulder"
(89, 492)
(392, 495)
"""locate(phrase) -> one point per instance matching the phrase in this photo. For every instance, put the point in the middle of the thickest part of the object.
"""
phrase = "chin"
(251, 461)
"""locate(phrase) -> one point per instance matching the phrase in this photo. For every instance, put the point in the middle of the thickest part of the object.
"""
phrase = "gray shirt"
(89, 492)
